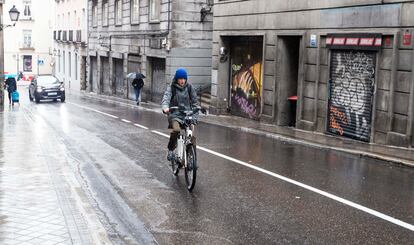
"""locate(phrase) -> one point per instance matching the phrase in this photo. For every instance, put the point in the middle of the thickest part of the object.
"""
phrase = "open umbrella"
(135, 75)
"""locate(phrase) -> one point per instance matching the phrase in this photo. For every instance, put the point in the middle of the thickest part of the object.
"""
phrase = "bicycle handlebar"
(195, 110)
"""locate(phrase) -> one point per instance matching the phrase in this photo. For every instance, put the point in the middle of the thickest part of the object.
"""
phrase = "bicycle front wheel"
(191, 169)
(175, 166)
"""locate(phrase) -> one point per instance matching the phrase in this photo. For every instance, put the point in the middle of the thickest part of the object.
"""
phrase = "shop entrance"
(351, 87)
(118, 73)
(246, 76)
(288, 50)
(158, 83)
(93, 77)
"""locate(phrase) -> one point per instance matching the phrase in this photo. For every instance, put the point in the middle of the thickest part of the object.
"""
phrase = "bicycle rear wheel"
(191, 169)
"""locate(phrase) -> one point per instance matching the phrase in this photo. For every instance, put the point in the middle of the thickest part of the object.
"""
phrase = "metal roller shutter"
(350, 93)
(119, 77)
(158, 80)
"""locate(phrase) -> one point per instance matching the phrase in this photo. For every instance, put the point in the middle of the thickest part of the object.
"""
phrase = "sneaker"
(137, 103)
(170, 156)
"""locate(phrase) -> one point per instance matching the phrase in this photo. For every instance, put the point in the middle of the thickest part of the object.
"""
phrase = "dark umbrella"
(135, 75)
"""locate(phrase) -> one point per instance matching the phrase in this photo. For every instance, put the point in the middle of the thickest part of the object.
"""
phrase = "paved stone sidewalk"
(39, 199)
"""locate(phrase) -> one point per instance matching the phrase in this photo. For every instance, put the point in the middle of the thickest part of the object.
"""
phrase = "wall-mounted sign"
(407, 39)
(359, 41)
(313, 41)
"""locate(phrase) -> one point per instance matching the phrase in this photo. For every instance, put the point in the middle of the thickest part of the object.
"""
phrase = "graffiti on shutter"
(350, 93)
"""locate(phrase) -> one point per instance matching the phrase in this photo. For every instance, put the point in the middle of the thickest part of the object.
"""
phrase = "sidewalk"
(41, 200)
(397, 155)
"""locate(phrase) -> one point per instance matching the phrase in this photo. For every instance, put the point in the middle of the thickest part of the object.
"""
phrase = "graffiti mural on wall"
(350, 104)
(246, 89)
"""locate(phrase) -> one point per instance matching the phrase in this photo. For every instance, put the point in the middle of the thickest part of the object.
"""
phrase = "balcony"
(26, 46)
(71, 36)
(59, 36)
(64, 36)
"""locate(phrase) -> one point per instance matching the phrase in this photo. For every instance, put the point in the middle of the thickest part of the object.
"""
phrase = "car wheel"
(37, 100)
(62, 99)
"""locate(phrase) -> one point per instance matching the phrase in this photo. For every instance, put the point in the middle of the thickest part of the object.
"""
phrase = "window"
(70, 64)
(83, 18)
(135, 11)
(75, 20)
(118, 12)
(94, 13)
(27, 38)
(59, 60)
(154, 10)
(76, 66)
(63, 62)
(27, 12)
(27, 63)
(104, 12)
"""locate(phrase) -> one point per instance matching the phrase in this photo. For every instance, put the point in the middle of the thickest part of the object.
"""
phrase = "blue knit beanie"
(181, 73)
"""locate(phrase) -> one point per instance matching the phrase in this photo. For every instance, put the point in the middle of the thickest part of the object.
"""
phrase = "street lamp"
(14, 16)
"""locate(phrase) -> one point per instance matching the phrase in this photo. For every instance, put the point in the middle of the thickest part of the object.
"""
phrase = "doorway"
(288, 49)
(118, 73)
(158, 83)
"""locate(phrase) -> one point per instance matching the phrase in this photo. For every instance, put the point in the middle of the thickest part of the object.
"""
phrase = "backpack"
(174, 92)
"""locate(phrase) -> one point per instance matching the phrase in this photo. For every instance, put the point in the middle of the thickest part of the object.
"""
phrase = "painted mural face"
(246, 82)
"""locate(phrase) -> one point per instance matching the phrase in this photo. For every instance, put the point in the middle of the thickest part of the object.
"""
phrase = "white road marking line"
(124, 120)
(294, 182)
(91, 109)
(313, 189)
(307, 187)
(140, 126)
(159, 133)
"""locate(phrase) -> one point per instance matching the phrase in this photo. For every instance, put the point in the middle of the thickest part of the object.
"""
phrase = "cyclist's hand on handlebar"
(166, 110)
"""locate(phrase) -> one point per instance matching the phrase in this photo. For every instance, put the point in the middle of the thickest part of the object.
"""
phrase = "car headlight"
(39, 89)
(62, 87)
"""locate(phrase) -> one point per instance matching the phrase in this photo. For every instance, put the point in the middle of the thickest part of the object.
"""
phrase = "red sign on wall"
(407, 37)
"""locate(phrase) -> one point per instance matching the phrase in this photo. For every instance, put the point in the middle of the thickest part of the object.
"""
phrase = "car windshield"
(47, 81)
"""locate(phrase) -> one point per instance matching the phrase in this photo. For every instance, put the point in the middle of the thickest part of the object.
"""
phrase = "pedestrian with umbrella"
(137, 84)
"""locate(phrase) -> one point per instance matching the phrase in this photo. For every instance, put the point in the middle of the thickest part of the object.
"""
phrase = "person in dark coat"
(11, 86)
(180, 94)
(138, 84)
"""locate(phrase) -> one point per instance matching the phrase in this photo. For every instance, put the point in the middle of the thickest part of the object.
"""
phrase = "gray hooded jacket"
(181, 99)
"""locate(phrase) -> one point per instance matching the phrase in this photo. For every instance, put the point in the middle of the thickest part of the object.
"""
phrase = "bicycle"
(185, 154)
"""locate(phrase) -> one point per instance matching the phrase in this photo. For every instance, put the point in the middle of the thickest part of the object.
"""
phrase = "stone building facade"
(153, 37)
(342, 68)
(70, 41)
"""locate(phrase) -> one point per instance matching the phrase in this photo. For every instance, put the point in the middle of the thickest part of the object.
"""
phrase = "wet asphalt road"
(140, 201)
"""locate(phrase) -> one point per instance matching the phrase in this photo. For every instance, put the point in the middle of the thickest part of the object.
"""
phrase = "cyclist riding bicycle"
(182, 95)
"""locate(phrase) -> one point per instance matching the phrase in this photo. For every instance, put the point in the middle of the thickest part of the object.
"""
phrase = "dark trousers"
(10, 96)
(172, 143)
